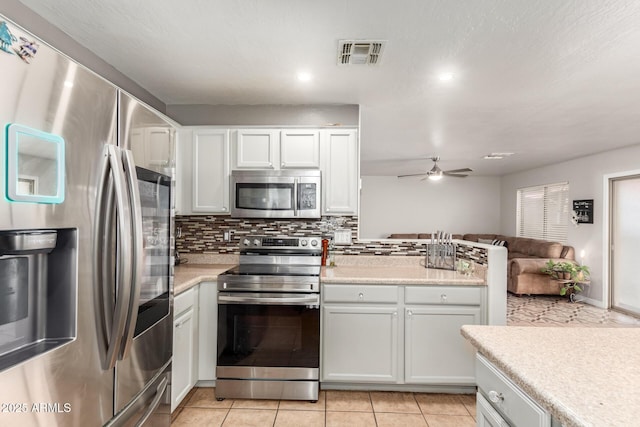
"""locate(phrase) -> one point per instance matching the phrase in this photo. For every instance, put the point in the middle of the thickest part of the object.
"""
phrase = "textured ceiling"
(549, 80)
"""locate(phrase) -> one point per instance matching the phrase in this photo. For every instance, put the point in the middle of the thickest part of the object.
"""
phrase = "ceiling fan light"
(436, 176)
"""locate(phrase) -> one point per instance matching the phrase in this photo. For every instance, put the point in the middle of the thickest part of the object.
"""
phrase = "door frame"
(606, 232)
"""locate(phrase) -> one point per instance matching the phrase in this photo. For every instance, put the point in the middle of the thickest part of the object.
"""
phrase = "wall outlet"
(342, 237)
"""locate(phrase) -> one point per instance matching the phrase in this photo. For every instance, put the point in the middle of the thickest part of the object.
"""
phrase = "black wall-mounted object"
(584, 211)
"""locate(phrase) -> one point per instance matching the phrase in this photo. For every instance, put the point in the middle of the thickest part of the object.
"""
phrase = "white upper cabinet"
(210, 178)
(340, 176)
(255, 149)
(206, 157)
(300, 148)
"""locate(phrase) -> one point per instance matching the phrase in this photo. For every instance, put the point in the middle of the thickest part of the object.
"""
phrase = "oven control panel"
(280, 243)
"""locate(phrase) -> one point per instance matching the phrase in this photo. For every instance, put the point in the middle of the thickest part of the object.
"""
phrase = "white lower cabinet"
(435, 352)
(360, 343)
(185, 345)
(366, 328)
(500, 402)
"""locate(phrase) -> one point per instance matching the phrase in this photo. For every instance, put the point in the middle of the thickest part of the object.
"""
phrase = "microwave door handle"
(295, 197)
(136, 256)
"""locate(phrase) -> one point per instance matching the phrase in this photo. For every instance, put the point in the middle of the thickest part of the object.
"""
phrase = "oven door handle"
(302, 300)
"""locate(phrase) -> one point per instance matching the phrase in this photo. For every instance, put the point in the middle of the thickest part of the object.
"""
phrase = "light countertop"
(582, 376)
(395, 275)
(189, 275)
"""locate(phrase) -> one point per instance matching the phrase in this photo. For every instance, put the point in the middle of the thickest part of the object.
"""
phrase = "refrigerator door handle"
(162, 387)
(113, 179)
(137, 255)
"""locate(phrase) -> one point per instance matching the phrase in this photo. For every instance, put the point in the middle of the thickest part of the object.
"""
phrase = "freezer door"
(149, 354)
(49, 93)
(151, 407)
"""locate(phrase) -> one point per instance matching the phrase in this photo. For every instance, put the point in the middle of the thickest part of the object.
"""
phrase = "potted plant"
(569, 273)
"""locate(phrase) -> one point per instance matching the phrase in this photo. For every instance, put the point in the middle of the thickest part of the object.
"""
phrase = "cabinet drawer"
(507, 398)
(183, 302)
(443, 295)
(360, 293)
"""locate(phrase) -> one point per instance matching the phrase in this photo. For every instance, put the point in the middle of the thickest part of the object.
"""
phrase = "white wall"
(391, 205)
(265, 115)
(586, 181)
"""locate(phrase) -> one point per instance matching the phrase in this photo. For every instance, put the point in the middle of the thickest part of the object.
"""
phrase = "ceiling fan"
(436, 173)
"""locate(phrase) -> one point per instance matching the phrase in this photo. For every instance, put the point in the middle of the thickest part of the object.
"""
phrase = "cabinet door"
(360, 344)
(340, 179)
(207, 337)
(300, 149)
(210, 171)
(435, 352)
(255, 149)
(183, 351)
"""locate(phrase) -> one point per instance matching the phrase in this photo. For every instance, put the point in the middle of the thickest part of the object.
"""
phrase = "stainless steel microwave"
(275, 194)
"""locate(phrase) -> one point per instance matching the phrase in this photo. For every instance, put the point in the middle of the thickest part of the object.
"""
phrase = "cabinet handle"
(409, 314)
(360, 296)
(395, 314)
(282, 164)
(496, 397)
(443, 298)
(224, 208)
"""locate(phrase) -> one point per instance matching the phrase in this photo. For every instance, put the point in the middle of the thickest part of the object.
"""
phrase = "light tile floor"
(382, 409)
(334, 408)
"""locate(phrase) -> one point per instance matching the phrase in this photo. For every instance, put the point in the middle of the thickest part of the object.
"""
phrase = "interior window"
(543, 212)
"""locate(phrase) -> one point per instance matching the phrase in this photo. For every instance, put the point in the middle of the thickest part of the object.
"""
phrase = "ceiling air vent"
(360, 52)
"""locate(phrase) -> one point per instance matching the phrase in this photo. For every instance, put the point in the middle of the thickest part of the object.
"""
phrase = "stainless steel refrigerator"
(86, 224)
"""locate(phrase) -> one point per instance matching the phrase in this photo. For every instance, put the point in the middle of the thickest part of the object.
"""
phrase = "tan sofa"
(525, 260)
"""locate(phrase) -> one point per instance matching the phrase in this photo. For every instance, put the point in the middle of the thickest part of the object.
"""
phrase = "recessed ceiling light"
(304, 76)
(445, 77)
(497, 156)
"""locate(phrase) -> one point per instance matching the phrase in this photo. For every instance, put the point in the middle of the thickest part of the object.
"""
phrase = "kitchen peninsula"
(580, 376)
(388, 323)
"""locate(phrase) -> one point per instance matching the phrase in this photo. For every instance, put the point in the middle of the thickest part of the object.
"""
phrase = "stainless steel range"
(269, 321)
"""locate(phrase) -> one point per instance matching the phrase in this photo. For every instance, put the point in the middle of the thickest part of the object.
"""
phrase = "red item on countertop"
(325, 251)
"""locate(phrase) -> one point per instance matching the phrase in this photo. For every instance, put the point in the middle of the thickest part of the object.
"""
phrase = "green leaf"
(563, 291)
(577, 288)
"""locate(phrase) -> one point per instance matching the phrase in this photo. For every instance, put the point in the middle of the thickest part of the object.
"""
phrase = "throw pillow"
(497, 242)
(485, 241)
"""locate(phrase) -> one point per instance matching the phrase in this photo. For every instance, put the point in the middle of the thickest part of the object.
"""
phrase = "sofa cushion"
(543, 249)
(475, 237)
(521, 244)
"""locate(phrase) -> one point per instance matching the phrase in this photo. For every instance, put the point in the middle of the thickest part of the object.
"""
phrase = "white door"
(625, 243)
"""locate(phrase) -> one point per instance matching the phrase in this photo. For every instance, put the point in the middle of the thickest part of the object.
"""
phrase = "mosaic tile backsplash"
(205, 234)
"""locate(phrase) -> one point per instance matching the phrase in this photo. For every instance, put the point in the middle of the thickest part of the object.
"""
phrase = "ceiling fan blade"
(459, 170)
(413, 174)
(455, 175)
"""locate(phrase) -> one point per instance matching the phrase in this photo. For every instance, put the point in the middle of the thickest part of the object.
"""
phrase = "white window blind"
(543, 212)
